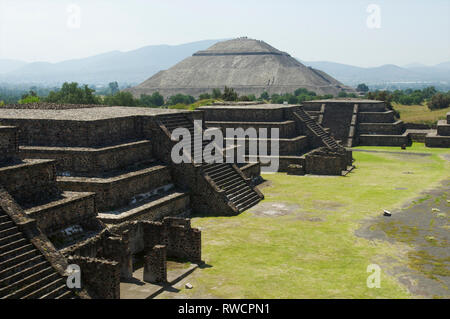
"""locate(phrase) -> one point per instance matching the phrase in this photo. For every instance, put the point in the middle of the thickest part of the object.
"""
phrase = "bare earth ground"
(423, 225)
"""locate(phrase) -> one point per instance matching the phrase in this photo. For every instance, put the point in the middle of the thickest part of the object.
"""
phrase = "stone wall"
(443, 128)
(9, 146)
(245, 114)
(73, 133)
(74, 209)
(118, 191)
(326, 162)
(384, 140)
(30, 182)
(376, 117)
(92, 161)
(101, 277)
(395, 128)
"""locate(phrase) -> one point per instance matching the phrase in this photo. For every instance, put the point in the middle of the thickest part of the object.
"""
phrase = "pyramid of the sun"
(246, 65)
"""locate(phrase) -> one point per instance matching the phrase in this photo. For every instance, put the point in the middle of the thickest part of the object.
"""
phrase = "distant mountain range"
(135, 66)
(389, 73)
(124, 67)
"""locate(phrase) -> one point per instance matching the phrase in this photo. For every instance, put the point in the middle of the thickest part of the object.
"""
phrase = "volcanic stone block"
(155, 265)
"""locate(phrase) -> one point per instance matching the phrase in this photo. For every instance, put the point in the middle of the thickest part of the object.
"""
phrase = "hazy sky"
(52, 30)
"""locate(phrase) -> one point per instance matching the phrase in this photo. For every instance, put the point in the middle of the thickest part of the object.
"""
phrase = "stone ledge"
(148, 211)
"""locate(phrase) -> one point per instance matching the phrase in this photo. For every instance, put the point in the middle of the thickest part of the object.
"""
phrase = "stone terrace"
(299, 135)
(440, 138)
(359, 122)
(106, 151)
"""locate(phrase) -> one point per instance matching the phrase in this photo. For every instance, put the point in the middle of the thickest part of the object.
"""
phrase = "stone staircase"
(24, 271)
(317, 129)
(226, 177)
(237, 190)
(353, 126)
(32, 183)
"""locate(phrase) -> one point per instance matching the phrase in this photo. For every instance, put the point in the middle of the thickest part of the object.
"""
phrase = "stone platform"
(440, 137)
(359, 122)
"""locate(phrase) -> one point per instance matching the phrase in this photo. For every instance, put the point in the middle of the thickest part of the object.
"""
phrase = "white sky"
(411, 30)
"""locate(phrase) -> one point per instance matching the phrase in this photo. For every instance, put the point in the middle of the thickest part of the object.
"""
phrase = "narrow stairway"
(24, 271)
(329, 141)
(224, 175)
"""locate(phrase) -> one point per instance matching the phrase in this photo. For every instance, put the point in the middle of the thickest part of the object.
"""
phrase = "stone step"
(71, 208)
(240, 194)
(15, 260)
(27, 272)
(244, 204)
(223, 175)
(88, 161)
(13, 245)
(118, 191)
(171, 203)
(4, 218)
(9, 239)
(60, 290)
(225, 181)
(6, 225)
(30, 181)
(8, 232)
(220, 171)
(244, 198)
(249, 205)
(21, 266)
(66, 295)
(16, 252)
(26, 281)
(236, 185)
(38, 287)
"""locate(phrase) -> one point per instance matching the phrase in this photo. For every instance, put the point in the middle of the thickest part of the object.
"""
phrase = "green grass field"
(313, 251)
(420, 114)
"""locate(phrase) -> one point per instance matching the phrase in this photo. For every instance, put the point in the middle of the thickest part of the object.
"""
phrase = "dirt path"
(423, 225)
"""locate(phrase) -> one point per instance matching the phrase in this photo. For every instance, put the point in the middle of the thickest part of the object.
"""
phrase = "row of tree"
(72, 93)
(430, 96)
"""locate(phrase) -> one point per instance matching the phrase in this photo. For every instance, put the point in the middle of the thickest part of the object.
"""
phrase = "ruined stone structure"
(299, 136)
(440, 138)
(359, 122)
(249, 66)
(99, 184)
(30, 266)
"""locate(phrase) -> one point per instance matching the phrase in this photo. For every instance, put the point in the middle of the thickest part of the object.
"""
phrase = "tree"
(264, 96)
(204, 96)
(216, 94)
(180, 99)
(229, 94)
(362, 88)
(29, 99)
(439, 101)
(120, 99)
(113, 87)
(342, 94)
(70, 93)
(154, 100)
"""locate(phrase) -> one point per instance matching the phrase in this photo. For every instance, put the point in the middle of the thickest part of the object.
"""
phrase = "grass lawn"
(312, 251)
(420, 114)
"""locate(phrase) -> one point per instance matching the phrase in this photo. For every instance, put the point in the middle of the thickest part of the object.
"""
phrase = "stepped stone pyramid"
(249, 66)
(30, 266)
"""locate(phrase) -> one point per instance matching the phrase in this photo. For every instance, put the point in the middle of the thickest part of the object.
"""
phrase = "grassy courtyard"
(300, 242)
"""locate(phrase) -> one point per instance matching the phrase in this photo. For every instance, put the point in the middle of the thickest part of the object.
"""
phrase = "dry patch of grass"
(420, 114)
